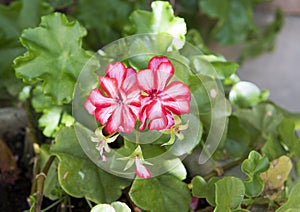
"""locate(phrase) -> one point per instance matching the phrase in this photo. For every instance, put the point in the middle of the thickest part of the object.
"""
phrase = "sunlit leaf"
(54, 56)
(161, 19)
(113, 207)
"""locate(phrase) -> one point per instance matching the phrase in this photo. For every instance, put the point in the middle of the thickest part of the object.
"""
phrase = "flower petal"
(114, 121)
(156, 61)
(121, 120)
(99, 100)
(157, 116)
(89, 106)
(164, 73)
(141, 170)
(145, 79)
(128, 120)
(171, 120)
(117, 71)
(160, 123)
(130, 82)
(176, 90)
(176, 97)
(110, 86)
(102, 114)
(178, 106)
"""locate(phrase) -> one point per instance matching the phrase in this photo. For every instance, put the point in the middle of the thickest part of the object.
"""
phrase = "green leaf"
(273, 148)
(13, 19)
(54, 56)
(230, 192)
(238, 141)
(52, 188)
(225, 69)
(287, 134)
(252, 167)
(79, 176)
(263, 40)
(203, 189)
(114, 207)
(161, 20)
(293, 203)
(53, 117)
(108, 24)
(235, 18)
(263, 118)
(163, 193)
(60, 4)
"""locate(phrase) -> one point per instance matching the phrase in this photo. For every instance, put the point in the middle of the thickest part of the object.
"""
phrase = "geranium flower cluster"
(126, 96)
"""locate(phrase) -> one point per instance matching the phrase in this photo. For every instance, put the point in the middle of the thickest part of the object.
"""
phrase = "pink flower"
(102, 142)
(117, 103)
(141, 170)
(137, 158)
(161, 99)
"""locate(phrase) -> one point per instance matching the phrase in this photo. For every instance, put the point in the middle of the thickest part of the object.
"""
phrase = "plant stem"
(224, 168)
(133, 206)
(40, 179)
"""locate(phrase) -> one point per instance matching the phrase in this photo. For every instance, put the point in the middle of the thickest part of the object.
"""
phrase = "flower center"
(154, 94)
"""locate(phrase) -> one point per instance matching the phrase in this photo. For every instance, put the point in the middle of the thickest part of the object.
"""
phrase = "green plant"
(229, 129)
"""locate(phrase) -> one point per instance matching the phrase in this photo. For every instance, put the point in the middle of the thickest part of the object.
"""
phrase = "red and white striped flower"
(160, 98)
(117, 103)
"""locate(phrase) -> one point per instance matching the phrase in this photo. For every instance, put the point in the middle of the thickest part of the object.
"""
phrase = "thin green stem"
(53, 204)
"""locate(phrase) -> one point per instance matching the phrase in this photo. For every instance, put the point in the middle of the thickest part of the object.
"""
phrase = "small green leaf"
(161, 20)
(54, 56)
(79, 176)
(252, 167)
(203, 189)
(230, 192)
(293, 203)
(163, 193)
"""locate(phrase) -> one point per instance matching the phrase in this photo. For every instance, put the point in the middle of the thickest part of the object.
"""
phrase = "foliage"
(257, 136)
